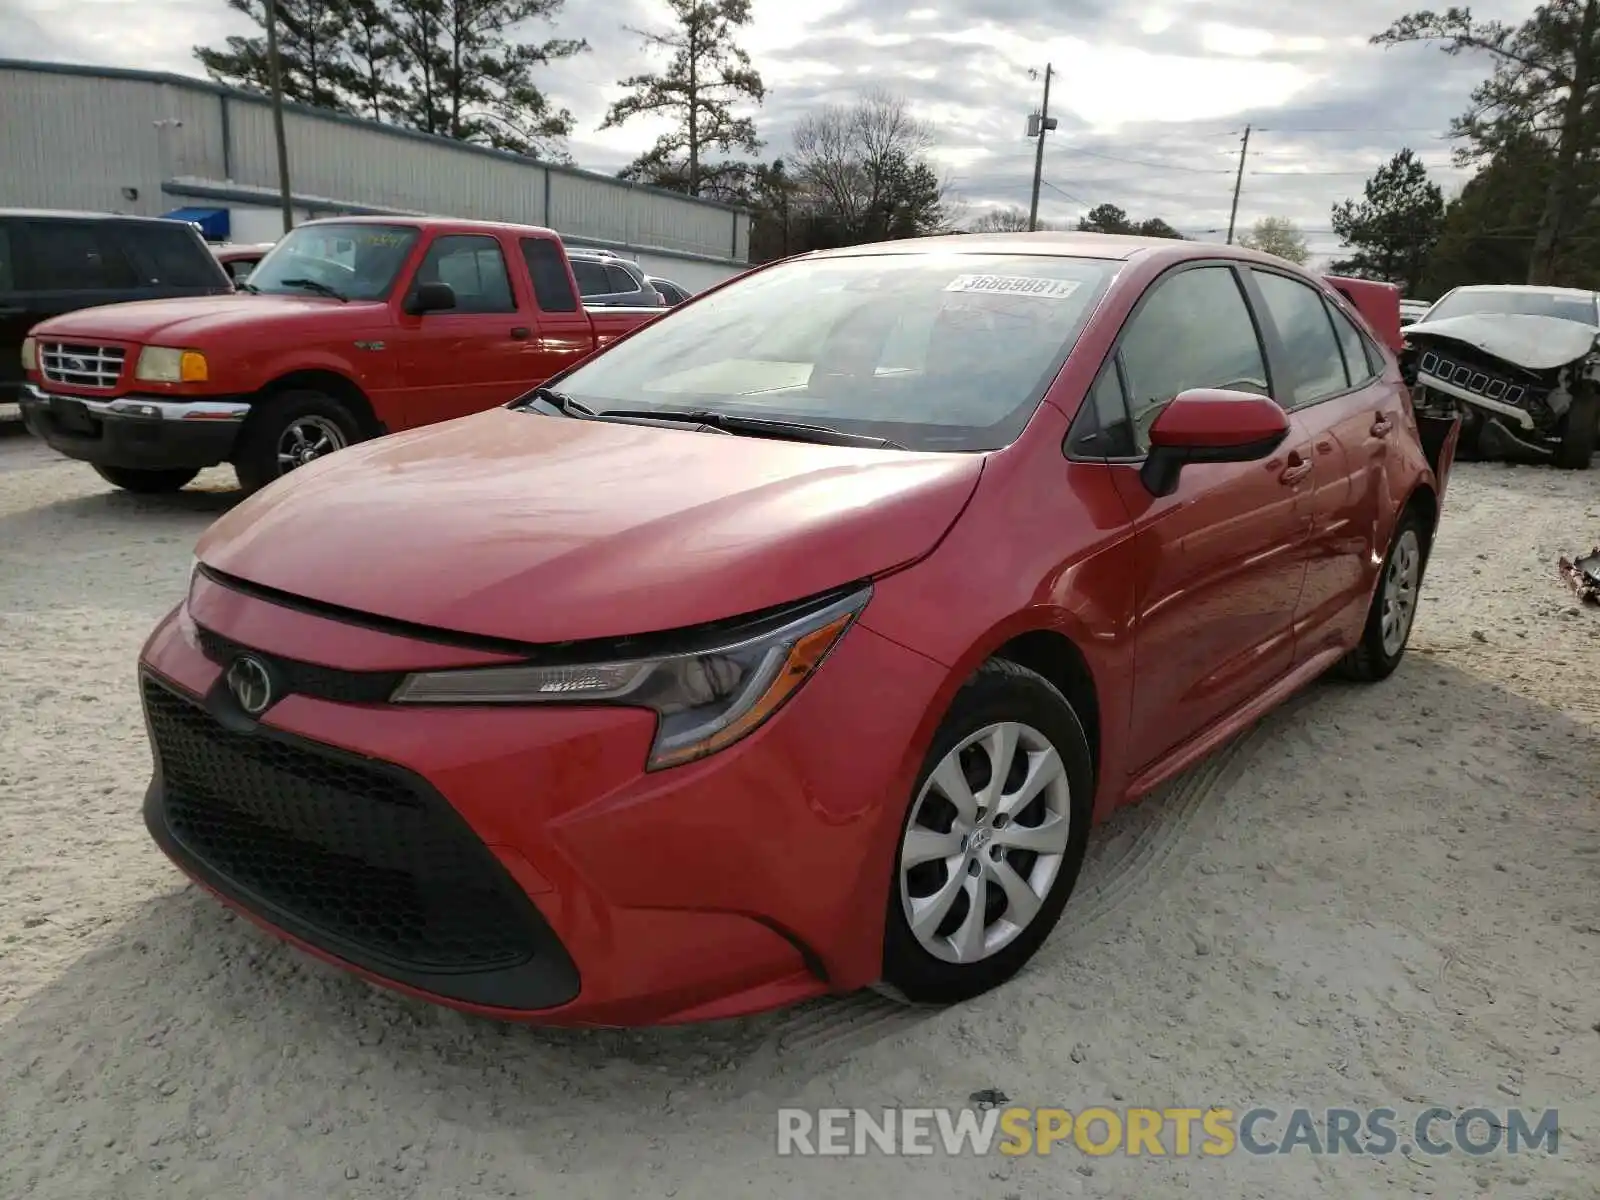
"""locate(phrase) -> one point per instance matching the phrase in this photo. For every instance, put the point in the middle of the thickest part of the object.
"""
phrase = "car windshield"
(935, 351)
(1532, 304)
(357, 262)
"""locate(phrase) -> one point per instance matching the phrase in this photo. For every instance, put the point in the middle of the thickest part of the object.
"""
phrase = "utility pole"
(1238, 180)
(274, 71)
(1045, 123)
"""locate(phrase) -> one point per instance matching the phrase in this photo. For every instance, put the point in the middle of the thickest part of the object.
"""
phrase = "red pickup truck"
(349, 328)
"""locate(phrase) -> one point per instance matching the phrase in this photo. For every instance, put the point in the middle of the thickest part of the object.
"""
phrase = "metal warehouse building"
(108, 140)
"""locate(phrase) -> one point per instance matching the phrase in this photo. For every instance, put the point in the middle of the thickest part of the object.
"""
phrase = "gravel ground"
(1380, 896)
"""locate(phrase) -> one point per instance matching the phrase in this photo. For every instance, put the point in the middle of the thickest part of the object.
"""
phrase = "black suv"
(54, 262)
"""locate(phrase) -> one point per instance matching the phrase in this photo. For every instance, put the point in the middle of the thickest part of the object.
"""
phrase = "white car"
(1514, 299)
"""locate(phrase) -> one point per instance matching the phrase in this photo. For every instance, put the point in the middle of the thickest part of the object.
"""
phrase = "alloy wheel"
(306, 439)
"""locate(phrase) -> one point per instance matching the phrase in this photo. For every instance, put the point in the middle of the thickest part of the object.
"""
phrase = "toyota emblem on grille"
(250, 684)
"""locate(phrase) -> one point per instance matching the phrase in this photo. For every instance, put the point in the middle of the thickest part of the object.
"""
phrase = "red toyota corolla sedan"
(793, 643)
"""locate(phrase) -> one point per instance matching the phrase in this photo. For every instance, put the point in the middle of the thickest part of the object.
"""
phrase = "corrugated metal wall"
(76, 138)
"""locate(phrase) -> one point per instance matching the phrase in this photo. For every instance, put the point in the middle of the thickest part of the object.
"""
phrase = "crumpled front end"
(1514, 380)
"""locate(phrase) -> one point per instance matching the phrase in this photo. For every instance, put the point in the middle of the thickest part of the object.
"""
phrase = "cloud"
(1152, 96)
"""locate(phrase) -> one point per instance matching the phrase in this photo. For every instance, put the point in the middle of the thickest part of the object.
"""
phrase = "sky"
(1152, 96)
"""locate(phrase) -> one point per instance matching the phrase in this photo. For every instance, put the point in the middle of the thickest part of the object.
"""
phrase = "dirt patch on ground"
(1382, 896)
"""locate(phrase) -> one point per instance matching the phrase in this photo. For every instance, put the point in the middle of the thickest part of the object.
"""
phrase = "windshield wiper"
(794, 431)
(317, 286)
(560, 401)
(251, 288)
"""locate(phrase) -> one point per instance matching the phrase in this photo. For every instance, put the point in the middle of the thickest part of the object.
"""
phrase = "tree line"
(464, 69)
(1531, 211)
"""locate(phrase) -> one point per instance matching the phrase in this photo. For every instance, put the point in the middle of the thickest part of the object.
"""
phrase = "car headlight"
(30, 354)
(167, 364)
(705, 699)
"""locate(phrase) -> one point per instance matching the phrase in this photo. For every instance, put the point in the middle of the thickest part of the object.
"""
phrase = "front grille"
(81, 365)
(1473, 378)
(303, 678)
(361, 857)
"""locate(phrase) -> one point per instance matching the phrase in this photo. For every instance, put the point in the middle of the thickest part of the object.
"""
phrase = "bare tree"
(865, 166)
(1005, 220)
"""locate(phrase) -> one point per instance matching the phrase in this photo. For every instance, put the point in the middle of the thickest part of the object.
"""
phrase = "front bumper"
(751, 879)
(138, 432)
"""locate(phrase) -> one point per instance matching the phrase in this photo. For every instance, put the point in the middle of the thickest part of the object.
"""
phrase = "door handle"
(1297, 469)
(1381, 425)
(520, 332)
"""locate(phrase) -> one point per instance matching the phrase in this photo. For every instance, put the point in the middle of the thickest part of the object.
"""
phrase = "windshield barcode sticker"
(1014, 285)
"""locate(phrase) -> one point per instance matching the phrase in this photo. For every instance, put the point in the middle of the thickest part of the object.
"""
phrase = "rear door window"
(1300, 316)
(1357, 356)
(620, 281)
(76, 256)
(591, 277)
(548, 270)
(170, 254)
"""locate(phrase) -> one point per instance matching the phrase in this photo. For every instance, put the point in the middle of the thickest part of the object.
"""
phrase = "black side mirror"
(430, 297)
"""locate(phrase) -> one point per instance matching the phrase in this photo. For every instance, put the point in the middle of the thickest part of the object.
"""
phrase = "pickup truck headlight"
(167, 364)
(706, 700)
(30, 354)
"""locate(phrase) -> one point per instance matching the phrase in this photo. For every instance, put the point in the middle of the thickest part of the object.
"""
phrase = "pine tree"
(464, 76)
(310, 46)
(707, 76)
(1394, 227)
(1545, 82)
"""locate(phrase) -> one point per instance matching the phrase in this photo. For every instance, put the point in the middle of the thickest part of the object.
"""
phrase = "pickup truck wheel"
(1576, 451)
(1394, 606)
(288, 431)
(145, 483)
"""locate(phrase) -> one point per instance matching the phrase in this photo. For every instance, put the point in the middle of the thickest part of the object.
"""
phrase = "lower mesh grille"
(347, 847)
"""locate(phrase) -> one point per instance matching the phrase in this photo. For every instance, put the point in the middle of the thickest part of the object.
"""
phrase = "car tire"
(948, 958)
(1383, 645)
(1576, 450)
(144, 482)
(289, 430)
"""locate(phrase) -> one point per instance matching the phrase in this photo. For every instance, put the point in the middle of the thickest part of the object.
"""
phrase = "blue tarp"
(213, 222)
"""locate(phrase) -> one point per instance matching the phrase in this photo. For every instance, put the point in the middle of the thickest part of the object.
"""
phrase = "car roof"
(434, 223)
(63, 214)
(1062, 243)
(1532, 289)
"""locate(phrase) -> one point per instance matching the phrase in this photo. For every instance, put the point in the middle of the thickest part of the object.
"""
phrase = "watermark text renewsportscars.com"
(1210, 1132)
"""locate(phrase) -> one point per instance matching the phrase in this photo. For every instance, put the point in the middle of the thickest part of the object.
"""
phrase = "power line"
(1067, 194)
(1144, 162)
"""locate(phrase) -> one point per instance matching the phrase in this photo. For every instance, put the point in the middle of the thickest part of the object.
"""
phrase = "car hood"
(191, 320)
(1533, 342)
(544, 529)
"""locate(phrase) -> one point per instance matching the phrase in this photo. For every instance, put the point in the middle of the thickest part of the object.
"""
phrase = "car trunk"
(1379, 306)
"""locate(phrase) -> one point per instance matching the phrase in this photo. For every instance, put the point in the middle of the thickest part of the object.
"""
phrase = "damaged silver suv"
(1521, 364)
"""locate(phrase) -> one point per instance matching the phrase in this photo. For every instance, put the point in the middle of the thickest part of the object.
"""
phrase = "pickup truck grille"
(79, 365)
